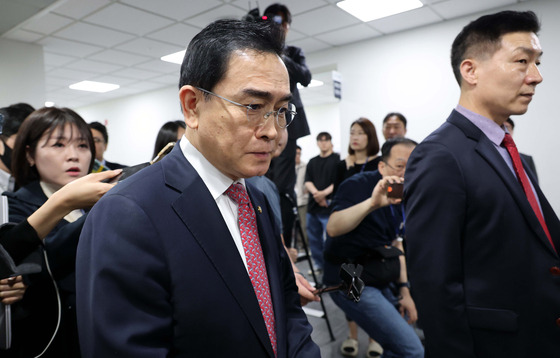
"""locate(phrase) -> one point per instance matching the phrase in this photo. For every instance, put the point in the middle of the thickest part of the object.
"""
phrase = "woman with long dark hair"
(171, 131)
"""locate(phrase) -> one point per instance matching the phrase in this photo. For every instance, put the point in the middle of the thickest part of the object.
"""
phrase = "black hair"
(510, 121)
(324, 135)
(181, 123)
(101, 129)
(396, 114)
(207, 58)
(389, 144)
(369, 129)
(23, 106)
(482, 37)
(14, 115)
(44, 120)
(167, 133)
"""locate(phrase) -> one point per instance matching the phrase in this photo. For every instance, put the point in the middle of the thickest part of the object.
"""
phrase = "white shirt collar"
(49, 191)
(216, 182)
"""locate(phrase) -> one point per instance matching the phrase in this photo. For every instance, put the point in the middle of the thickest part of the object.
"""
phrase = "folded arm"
(295, 63)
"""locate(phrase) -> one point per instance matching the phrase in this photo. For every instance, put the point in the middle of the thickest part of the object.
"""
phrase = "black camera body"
(254, 16)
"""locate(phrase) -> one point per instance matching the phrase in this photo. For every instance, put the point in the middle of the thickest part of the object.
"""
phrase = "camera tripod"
(299, 235)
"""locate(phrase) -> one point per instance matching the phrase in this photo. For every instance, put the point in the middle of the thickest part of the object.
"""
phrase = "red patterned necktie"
(254, 255)
(522, 177)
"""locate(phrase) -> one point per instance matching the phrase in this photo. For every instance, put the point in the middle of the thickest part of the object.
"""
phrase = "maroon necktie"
(524, 180)
(254, 255)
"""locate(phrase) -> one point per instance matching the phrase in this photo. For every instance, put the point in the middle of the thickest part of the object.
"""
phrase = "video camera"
(254, 16)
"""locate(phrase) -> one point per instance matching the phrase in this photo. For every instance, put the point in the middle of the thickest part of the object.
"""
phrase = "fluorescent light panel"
(176, 57)
(369, 10)
(92, 86)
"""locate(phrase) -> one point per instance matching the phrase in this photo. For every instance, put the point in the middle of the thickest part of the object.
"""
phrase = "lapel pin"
(259, 209)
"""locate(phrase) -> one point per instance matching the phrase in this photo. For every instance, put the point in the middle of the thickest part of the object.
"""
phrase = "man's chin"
(257, 171)
(520, 108)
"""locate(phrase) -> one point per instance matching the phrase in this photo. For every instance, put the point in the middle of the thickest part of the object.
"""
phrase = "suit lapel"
(206, 224)
(486, 149)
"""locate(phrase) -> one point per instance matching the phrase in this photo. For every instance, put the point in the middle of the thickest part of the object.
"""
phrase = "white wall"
(133, 123)
(325, 118)
(21, 86)
(407, 72)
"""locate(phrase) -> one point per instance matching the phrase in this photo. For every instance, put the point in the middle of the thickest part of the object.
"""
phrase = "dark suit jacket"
(113, 166)
(299, 73)
(158, 275)
(282, 169)
(480, 262)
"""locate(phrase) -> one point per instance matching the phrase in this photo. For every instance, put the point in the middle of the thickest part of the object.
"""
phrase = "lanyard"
(399, 226)
(364, 165)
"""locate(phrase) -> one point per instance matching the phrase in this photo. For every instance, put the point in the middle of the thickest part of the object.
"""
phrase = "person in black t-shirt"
(319, 179)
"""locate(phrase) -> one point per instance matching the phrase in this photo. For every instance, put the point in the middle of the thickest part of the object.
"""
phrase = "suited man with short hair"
(484, 270)
(162, 267)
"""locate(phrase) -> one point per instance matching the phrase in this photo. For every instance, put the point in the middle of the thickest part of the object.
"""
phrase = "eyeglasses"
(257, 114)
(399, 168)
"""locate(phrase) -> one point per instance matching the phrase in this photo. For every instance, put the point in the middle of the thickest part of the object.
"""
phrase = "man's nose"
(268, 130)
(534, 75)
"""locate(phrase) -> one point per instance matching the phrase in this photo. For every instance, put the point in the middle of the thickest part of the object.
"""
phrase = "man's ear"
(190, 98)
(469, 71)
(381, 167)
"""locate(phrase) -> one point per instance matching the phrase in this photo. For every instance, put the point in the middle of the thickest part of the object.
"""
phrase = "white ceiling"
(121, 41)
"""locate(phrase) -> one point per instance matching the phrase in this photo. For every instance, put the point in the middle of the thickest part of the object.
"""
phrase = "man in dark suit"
(164, 269)
(484, 267)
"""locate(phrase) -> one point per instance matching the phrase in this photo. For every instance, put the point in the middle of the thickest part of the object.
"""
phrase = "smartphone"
(126, 172)
(395, 191)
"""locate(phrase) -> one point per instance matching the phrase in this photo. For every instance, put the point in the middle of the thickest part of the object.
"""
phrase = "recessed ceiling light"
(49, 104)
(313, 83)
(92, 86)
(176, 57)
(368, 10)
